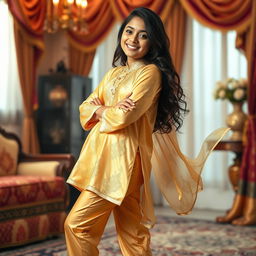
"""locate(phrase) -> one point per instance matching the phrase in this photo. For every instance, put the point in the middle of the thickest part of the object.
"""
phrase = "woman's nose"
(134, 38)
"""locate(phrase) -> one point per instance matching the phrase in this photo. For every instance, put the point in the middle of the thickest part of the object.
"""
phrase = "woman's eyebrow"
(134, 28)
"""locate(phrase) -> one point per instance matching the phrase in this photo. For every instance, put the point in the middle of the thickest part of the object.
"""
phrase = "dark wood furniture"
(59, 128)
(234, 170)
(58, 123)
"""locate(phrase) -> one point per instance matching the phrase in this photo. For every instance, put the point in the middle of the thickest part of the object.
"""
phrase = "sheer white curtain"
(103, 57)
(209, 56)
(10, 94)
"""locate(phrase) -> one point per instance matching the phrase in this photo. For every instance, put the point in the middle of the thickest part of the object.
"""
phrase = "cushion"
(20, 191)
(9, 150)
(39, 168)
(30, 229)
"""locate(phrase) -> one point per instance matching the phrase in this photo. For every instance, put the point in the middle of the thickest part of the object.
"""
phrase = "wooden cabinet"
(58, 123)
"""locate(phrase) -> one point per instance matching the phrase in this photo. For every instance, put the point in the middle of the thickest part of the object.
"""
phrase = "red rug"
(170, 237)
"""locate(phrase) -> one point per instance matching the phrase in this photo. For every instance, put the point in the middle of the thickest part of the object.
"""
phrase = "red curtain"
(80, 62)
(100, 19)
(28, 30)
(175, 27)
(220, 14)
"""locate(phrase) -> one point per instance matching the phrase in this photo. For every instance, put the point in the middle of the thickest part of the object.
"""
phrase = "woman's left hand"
(127, 104)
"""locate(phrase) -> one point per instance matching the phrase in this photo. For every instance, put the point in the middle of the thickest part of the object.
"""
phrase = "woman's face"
(134, 40)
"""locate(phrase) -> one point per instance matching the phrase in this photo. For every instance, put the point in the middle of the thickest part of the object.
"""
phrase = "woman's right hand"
(126, 104)
(96, 101)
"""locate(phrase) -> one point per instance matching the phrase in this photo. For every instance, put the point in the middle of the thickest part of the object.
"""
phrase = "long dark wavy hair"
(172, 105)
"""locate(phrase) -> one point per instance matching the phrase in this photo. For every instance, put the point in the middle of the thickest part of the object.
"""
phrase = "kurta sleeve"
(145, 91)
(87, 110)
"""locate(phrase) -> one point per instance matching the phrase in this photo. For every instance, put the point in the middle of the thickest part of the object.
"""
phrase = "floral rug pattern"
(170, 237)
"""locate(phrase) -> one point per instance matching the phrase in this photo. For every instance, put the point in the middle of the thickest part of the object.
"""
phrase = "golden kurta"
(108, 154)
(107, 157)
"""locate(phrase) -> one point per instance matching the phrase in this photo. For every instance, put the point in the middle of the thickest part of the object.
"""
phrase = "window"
(10, 96)
(210, 56)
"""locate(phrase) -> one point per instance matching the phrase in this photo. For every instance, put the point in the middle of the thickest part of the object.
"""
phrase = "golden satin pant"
(87, 219)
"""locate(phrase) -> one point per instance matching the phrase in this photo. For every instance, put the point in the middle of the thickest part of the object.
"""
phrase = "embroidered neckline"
(123, 73)
(135, 65)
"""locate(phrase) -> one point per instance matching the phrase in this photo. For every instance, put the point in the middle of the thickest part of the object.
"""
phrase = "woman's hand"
(98, 113)
(126, 104)
(96, 102)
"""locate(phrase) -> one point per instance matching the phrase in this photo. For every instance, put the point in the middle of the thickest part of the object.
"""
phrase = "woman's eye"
(128, 31)
(144, 36)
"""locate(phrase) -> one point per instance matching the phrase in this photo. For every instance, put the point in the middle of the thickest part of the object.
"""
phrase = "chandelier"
(66, 14)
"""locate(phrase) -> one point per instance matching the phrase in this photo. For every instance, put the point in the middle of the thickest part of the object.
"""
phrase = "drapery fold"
(175, 27)
(28, 30)
(80, 62)
(122, 8)
(223, 15)
(27, 56)
(100, 19)
(29, 13)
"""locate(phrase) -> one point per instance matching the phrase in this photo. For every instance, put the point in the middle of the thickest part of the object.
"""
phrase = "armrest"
(43, 168)
(66, 161)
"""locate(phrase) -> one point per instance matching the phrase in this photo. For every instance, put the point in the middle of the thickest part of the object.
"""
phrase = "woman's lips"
(132, 47)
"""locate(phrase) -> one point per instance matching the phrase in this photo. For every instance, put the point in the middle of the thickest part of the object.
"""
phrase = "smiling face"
(134, 40)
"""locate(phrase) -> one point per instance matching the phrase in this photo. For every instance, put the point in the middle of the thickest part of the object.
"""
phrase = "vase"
(236, 120)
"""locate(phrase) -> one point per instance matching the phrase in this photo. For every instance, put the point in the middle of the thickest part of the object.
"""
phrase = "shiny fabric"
(223, 15)
(85, 223)
(175, 28)
(28, 31)
(107, 158)
(80, 62)
(27, 58)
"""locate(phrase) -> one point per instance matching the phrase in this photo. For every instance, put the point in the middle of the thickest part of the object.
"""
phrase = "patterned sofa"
(33, 193)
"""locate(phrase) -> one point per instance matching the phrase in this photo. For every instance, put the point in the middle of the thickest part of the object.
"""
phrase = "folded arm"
(87, 109)
(145, 90)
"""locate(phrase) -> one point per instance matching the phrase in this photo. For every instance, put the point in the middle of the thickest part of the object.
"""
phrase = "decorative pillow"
(9, 150)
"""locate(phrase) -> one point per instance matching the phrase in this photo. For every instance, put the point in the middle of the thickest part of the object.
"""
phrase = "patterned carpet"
(170, 237)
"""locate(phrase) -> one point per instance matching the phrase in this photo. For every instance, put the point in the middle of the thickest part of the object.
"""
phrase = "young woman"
(140, 96)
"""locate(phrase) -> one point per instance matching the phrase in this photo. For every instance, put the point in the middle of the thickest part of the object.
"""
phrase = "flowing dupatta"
(178, 176)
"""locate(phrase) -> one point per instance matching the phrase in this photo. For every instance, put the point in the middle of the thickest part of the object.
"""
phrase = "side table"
(233, 170)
